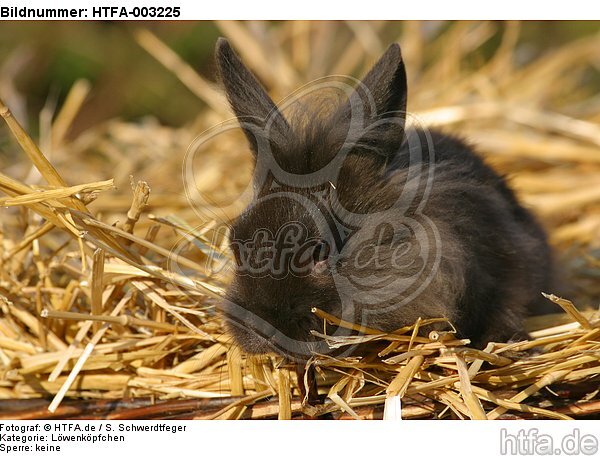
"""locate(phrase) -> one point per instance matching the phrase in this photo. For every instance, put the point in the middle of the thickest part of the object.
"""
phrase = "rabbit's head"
(321, 207)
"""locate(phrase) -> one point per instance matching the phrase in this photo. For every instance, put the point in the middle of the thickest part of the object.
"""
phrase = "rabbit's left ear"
(249, 100)
(382, 92)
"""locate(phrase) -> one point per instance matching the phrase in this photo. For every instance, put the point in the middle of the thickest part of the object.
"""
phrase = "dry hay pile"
(92, 307)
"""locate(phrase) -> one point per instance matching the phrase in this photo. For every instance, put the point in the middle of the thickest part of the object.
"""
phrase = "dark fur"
(495, 260)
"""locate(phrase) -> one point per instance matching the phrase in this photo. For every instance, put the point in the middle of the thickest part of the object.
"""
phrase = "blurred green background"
(39, 62)
(43, 60)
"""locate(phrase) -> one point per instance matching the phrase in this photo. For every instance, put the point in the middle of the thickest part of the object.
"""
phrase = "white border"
(349, 9)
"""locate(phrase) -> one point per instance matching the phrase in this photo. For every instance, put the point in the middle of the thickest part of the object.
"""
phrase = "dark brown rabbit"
(372, 222)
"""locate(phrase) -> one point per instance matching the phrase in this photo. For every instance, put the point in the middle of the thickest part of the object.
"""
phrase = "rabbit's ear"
(257, 113)
(383, 89)
(375, 112)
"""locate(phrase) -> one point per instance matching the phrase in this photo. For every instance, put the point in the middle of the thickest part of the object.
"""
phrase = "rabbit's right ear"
(375, 111)
(383, 90)
(259, 118)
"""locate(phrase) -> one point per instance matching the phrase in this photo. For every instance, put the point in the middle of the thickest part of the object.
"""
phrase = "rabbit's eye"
(321, 251)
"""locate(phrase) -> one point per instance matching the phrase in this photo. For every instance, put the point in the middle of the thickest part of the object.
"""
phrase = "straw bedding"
(108, 284)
